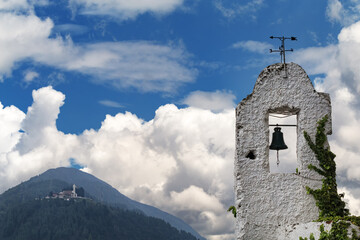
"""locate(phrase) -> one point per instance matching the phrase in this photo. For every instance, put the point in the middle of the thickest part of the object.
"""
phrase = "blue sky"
(142, 93)
(203, 31)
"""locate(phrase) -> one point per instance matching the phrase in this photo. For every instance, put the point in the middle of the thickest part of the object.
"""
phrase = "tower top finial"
(282, 50)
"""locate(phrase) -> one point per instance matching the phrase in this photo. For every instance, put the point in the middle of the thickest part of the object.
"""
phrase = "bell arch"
(284, 160)
(267, 201)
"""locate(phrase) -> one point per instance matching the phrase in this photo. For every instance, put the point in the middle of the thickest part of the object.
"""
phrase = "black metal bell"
(277, 142)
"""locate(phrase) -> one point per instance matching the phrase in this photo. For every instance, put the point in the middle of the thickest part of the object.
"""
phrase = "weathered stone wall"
(266, 201)
(295, 231)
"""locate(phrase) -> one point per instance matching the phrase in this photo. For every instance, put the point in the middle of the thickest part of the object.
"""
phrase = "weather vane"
(282, 49)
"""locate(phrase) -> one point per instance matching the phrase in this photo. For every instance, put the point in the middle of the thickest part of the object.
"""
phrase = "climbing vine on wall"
(338, 231)
(232, 209)
(328, 200)
(330, 203)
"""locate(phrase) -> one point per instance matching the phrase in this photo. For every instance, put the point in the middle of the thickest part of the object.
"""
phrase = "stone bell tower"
(267, 201)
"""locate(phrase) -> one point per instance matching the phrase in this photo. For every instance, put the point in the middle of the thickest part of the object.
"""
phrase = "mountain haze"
(56, 179)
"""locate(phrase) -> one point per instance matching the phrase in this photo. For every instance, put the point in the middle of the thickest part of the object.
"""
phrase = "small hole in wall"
(251, 155)
(287, 157)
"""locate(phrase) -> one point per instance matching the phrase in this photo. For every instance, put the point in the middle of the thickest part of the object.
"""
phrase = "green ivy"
(338, 231)
(232, 209)
(330, 203)
(311, 237)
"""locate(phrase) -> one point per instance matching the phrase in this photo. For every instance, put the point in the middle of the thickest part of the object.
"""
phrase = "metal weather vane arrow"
(282, 50)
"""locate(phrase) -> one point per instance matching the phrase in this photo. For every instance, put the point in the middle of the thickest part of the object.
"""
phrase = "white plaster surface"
(268, 201)
(295, 231)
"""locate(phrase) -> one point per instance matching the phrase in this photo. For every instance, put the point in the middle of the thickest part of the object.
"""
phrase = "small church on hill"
(68, 193)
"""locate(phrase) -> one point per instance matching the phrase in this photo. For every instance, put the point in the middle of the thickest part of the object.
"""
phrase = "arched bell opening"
(283, 140)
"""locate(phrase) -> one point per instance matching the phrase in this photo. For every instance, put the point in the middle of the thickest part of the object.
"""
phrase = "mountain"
(85, 219)
(54, 180)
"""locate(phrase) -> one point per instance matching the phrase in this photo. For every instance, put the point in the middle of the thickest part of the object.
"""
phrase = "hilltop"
(24, 207)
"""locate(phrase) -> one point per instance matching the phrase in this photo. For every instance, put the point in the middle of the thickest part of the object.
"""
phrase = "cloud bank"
(181, 161)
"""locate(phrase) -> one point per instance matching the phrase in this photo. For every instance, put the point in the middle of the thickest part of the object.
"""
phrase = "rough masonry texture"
(267, 202)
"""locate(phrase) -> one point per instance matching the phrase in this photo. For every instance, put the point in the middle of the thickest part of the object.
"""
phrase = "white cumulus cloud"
(353, 203)
(10, 118)
(181, 161)
(37, 147)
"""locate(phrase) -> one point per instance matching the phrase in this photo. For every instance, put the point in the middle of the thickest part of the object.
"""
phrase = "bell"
(277, 142)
